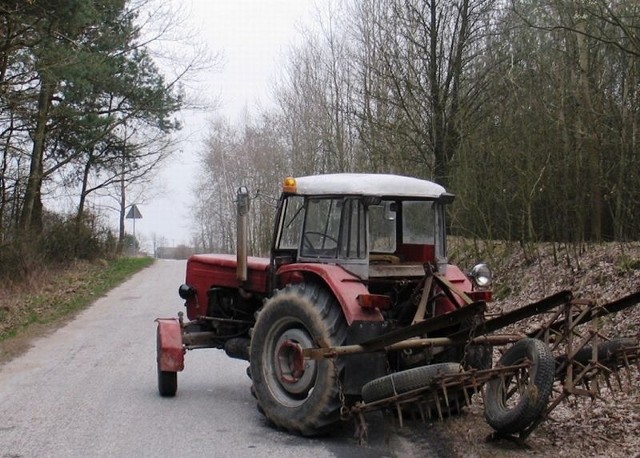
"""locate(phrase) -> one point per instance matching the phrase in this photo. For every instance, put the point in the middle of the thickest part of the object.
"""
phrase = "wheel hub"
(295, 375)
(290, 361)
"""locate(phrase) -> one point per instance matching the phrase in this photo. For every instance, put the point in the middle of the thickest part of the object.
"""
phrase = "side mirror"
(390, 211)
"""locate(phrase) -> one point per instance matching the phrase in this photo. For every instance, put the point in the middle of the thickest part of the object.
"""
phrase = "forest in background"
(86, 112)
(528, 111)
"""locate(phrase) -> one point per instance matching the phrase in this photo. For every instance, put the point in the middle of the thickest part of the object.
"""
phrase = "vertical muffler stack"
(242, 203)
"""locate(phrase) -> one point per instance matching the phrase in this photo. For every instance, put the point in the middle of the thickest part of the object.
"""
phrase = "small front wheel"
(167, 380)
(167, 383)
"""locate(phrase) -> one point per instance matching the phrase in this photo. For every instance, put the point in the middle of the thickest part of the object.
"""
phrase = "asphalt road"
(89, 390)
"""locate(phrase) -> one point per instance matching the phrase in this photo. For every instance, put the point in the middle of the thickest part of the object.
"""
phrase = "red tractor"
(356, 260)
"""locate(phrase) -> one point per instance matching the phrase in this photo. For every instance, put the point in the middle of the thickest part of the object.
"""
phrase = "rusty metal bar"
(449, 289)
(522, 313)
(422, 306)
(424, 327)
(602, 310)
(225, 320)
(332, 352)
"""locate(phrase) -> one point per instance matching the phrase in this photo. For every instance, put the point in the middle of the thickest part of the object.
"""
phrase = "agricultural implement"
(357, 308)
(563, 353)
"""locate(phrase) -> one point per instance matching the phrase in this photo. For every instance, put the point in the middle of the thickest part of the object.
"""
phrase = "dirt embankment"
(608, 425)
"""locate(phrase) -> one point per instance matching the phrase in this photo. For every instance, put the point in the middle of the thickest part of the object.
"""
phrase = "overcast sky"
(252, 36)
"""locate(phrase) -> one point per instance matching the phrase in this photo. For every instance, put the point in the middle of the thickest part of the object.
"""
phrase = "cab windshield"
(350, 228)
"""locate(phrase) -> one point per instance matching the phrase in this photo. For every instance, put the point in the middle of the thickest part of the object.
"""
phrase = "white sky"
(253, 36)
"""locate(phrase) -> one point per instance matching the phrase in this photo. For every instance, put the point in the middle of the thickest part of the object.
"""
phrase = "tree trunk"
(83, 191)
(123, 207)
(31, 217)
(590, 136)
(438, 116)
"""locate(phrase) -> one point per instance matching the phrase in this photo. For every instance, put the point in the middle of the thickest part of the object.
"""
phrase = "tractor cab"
(371, 225)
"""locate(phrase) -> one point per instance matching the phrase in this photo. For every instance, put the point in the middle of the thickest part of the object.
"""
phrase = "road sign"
(134, 213)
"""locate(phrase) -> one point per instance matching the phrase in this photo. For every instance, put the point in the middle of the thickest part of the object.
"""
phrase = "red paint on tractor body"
(205, 271)
(170, 349)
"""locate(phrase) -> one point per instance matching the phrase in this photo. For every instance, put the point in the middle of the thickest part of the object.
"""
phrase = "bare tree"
(250, 156)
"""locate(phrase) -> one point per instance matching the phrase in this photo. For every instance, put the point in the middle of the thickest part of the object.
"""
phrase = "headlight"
(186, 292)
(481, 275)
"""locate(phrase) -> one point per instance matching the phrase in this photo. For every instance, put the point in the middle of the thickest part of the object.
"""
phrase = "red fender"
(345, 286)
(170, 349)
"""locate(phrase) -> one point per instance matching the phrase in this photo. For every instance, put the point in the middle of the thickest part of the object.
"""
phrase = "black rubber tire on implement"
(405, 381)
(167, 381)
(606, 351)
(303, 400)
(510, 419)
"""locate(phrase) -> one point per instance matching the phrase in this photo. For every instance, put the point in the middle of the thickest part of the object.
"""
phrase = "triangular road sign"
(134, 213)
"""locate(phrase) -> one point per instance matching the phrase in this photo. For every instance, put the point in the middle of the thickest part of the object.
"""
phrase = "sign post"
(134, 214)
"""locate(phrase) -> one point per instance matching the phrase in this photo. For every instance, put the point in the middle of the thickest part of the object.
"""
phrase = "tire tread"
(315, 301)
(405, 381)
(531, 405)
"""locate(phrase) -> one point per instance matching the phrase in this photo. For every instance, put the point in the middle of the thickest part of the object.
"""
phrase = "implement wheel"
(299, 395)
(606, 351)
(606, 355)
(515, 401)
(405, 381)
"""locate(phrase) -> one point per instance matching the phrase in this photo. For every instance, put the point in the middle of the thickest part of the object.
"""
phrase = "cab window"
(418, 222)
(292, 223)
(382, 227)
(354, 242)
(321, 228)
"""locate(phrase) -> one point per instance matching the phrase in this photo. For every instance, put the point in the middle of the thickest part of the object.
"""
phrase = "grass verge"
(55, 296)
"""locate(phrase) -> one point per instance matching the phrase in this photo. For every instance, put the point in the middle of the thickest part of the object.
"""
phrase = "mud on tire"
(300, 396)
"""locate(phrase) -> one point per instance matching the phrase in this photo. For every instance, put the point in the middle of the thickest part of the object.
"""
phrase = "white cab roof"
(368, 184)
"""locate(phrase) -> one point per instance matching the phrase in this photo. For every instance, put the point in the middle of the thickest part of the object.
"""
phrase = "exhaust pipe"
(242, 203)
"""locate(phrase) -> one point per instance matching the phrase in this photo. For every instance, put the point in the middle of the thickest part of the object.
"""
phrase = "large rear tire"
(298, 395)
(515, 401)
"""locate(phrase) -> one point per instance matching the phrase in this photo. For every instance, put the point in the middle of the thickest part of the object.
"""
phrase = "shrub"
(63, 239)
